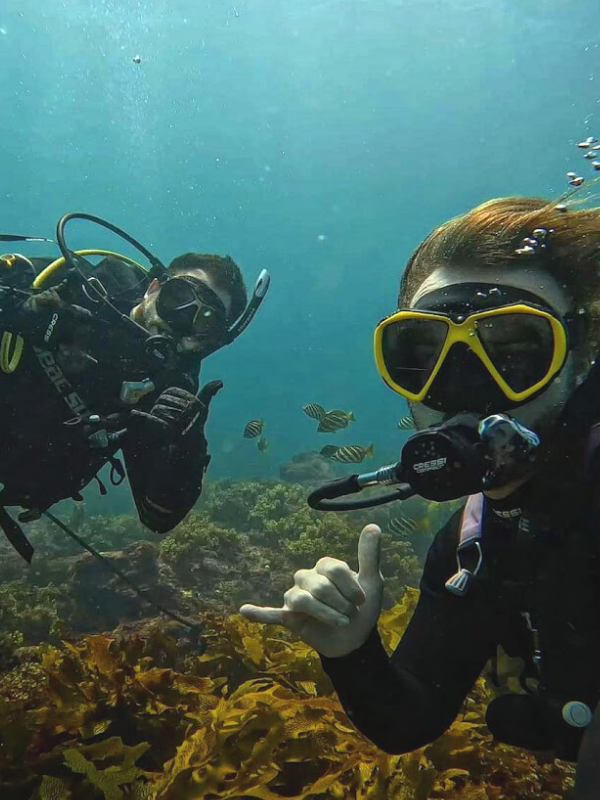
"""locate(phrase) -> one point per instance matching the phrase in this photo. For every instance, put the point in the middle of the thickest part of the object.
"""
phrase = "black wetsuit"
(541, 559)
(45, 453)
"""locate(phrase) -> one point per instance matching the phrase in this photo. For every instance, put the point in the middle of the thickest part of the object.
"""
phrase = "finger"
(209, 391)
(269, 616)
(324, 590)
(343, 578)
(166, 414)
(177, 391)
(148, 418)
(369, 552)
(171, 401)
(80, 313)
(300, 601)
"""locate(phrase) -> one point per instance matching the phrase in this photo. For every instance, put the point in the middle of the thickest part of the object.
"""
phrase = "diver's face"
(540, 413)
(146, 313)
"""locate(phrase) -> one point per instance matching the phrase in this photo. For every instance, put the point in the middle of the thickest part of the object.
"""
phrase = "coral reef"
(100, 701)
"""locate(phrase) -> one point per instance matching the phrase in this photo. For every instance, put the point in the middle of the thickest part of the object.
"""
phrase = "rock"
(308, 467)
(102, 600)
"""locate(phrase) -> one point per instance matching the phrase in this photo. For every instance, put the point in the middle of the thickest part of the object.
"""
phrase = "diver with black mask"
(493, 346)
(100, 358)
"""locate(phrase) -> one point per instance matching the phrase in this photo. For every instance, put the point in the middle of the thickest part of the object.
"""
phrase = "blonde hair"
(489, 235)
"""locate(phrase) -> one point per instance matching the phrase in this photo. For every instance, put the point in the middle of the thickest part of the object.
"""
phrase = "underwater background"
(321, 140)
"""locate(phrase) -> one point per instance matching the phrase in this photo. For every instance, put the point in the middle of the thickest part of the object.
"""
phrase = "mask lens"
(176, 293)
(411, 349)
(520, 346)
(182, 304)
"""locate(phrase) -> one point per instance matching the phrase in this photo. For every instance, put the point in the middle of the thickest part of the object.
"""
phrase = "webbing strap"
(472, 518)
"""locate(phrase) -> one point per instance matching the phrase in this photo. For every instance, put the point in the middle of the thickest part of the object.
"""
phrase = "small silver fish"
(584, 145)
(578, 181)
(262, 444)
(561, 207)
(254, 428)
(349, 454)
(137, 59)
(596, 165)
(590, 154)
(314, 411)
(571, 175)
(402, 526)
(406, 423)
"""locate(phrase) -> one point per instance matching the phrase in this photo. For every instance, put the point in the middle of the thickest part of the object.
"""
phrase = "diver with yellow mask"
(100, 358)
(493, 346)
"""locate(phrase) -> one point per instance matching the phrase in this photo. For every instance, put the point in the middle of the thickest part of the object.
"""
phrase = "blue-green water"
(321, 140)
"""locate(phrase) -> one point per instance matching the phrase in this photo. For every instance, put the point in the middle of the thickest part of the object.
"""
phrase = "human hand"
(50, 300)
(331, 607)
(177, 411)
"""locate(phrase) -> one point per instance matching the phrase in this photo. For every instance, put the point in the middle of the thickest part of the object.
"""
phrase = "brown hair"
(490, 233)
(223, 270)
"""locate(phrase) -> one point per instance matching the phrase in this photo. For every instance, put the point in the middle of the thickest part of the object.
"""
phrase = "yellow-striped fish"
(406, 423)
(328, 450)
(335, 420)
(254, 428)
(314, 411)
(339, 412)
(402, 526)
(349, 454)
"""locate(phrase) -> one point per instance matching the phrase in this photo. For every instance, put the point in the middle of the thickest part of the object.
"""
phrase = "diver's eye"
(516, 348)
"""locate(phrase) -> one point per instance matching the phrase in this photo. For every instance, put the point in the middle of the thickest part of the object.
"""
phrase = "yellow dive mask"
(520, 341)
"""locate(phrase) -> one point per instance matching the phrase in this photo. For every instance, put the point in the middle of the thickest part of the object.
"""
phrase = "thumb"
(207, 392)
(369, 553)
(269, 616)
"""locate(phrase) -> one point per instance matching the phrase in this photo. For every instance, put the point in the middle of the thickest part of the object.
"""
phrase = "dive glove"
(46, 317)
(177, 412)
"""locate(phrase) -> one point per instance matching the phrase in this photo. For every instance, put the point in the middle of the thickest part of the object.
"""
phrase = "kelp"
(243, 711)
(109, 779)
(258, 719)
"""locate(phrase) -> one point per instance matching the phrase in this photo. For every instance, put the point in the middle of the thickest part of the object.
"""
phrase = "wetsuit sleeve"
(406, 701)
(165, 479)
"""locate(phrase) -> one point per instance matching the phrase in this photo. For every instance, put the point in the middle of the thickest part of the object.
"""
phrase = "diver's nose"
(464, 384)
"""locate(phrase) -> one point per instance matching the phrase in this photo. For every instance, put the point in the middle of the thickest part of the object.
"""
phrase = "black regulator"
(464, 455)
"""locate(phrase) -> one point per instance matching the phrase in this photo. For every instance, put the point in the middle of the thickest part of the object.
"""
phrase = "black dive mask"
(191, 307)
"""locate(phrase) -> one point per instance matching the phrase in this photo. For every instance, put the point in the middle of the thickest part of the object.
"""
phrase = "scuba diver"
(97, 359)
(493, 346)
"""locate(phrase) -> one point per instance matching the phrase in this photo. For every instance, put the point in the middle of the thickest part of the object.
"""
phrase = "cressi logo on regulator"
(429, 466)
